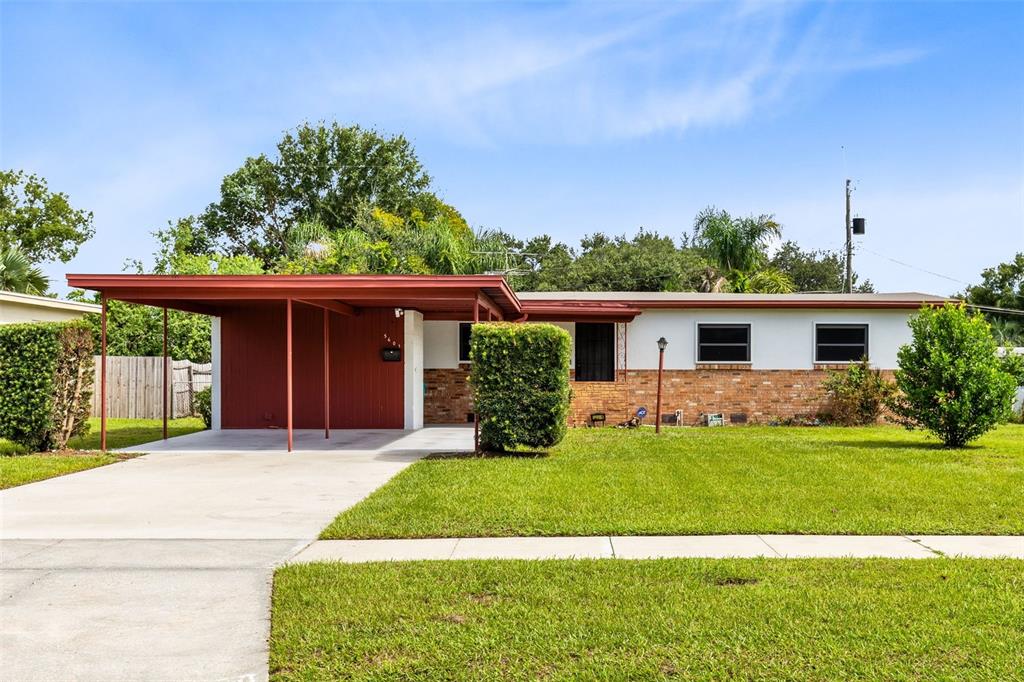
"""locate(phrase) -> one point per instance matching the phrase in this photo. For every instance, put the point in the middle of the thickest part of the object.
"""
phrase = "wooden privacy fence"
(135, 386)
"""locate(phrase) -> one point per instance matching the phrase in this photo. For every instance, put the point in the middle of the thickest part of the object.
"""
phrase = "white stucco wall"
(412, 356)
(779, 339)
(441, 343)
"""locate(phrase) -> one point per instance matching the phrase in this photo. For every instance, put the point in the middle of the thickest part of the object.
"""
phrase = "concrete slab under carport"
(415, 441)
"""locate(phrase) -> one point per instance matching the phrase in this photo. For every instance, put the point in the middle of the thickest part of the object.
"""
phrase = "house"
(27, 308)
(755, 357)
(391, 351)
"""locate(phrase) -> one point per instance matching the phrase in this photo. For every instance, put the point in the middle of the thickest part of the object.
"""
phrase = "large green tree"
(814, 270)
(1002, 286)
(42, 224)
(646, 262)
(325, 172)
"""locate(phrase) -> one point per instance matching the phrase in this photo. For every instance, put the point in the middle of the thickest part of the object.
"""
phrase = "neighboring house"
(396, 345)
(27, 308)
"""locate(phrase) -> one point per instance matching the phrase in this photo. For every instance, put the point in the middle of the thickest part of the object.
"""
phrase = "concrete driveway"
(159, 568)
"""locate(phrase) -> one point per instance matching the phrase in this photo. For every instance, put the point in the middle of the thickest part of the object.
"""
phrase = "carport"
(310, 351)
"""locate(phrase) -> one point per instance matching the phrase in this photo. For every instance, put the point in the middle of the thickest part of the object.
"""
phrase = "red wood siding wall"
(366, 392)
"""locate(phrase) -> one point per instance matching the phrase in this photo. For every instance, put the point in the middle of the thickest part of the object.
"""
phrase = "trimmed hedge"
(520, 381)
(46, 375)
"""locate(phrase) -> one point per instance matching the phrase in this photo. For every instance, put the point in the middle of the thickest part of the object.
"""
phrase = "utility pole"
(849, 243)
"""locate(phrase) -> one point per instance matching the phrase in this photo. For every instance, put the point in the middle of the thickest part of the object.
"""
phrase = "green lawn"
(872, 480)
(818, 619)
(20, 469)
(122, 433)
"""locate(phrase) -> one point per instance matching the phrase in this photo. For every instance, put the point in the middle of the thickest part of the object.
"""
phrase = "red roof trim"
(638, 306)
(427, 288)
(352, 288)
(913, 305)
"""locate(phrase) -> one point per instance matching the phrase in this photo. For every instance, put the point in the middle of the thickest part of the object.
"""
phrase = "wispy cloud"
(578, 75)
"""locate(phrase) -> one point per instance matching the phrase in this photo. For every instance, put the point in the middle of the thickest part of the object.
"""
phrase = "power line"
(914, 267)
(994, 309)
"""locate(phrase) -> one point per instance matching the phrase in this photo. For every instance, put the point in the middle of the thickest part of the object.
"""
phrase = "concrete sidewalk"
(659, 547)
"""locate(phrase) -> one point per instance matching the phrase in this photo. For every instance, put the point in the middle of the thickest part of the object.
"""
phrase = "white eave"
(46, 302)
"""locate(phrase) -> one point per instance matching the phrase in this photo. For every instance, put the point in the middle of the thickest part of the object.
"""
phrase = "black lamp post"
(662, 343)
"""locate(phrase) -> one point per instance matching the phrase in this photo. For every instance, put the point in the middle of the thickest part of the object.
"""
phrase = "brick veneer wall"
(447, 398)
(761, 394)
(610, 397)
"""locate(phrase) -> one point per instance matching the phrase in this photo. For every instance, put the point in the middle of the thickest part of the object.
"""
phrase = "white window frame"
(814, 341)
(719, 323)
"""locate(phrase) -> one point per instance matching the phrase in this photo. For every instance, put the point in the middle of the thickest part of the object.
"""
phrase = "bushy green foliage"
(647, 261)
(520, 380)
(202, 403)
(45, 383)
(39, 223)
(1002, 286)
(950, 379)
(856, 396)
(815, 270)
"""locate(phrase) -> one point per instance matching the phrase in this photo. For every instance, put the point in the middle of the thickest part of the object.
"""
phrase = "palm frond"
(18, 275)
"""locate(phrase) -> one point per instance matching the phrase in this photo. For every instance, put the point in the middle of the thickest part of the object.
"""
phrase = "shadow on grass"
(525, 454)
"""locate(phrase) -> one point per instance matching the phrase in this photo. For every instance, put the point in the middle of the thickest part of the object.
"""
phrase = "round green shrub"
(950, 378)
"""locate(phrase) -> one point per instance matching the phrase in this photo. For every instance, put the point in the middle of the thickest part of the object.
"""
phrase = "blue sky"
(548, 118)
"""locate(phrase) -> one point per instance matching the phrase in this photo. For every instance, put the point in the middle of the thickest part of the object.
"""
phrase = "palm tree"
(736, 246)
(18, 275)
(734, 243)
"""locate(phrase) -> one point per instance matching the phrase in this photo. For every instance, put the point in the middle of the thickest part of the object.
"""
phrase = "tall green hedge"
(46, 375)
(520, 381)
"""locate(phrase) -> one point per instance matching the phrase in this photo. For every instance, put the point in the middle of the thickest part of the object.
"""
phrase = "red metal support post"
(327, 374)
(476, 415)
(166, 373)
(288, 346)
(103, 374)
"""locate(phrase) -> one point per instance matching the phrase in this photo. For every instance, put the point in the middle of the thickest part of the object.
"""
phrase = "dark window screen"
(465, 329)
(840, 342)
(723, 343)
(595, 351)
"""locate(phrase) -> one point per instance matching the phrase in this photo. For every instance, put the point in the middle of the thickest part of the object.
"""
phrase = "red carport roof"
(434, 295)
